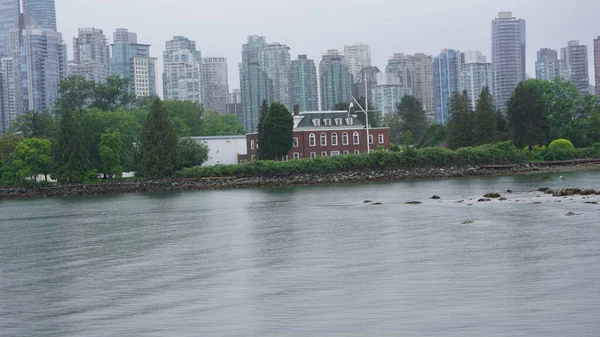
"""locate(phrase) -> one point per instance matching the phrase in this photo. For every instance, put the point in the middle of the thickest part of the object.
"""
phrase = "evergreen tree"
(262, 136)
(528, 116)
(485, 120)
(460, 125)
(111, 153)
(71, 156)
(412, 116)
(158, 144)
(277, 128)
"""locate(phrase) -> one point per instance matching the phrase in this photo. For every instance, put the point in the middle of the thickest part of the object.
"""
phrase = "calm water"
(305, 261)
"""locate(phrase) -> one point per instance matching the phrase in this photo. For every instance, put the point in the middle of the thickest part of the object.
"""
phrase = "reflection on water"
(305, 261)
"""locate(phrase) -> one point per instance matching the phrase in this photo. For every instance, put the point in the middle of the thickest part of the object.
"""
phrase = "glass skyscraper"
(90, 55)
(216, 84)
(446, 81)
(9, 20)
(182, 70)
(304, 84)
(475, 74)
(336, 80)
(42, 11)
(255, 85)
(508, 56)
(132, 60)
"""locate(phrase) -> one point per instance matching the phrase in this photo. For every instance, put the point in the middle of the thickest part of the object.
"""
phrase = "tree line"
(100, 128)
(537, 113)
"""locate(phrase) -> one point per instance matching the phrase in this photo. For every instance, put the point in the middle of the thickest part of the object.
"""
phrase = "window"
(285, 158)
(346, 152)
(334, 138)
(323, 139)
(356, 138)
(338, 121)
(344, 138)
(370, 139)
(323, 154)
(356, 151)
(335, 153)
(252, 145)
(313, 155)
(253, 158)
(327, 122)
(316, 122)
(296, 155)
(295, 141)
(312, 140)
(381, 139)
(349, 121)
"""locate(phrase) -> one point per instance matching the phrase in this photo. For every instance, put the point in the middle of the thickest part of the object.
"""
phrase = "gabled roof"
(305, 120)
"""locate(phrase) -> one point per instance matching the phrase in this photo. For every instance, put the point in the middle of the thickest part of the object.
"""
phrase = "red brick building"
(325, 134)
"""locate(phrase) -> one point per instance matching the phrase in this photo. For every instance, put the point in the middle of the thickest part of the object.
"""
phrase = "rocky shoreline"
(186, 184)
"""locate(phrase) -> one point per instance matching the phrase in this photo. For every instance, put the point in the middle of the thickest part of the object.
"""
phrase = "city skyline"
(384, 36)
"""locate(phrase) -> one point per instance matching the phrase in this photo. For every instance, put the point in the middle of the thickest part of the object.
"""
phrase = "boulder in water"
(492, 195)
(436, 197)
(571, 214)
(484, 200)
(414, 203)
(543, 189)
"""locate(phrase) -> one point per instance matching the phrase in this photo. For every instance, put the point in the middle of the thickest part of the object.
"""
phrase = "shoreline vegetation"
(123, 186)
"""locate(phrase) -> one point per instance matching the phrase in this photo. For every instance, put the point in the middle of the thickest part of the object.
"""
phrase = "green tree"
(71, 155)
(185, 116)
(528, 116)
(158, 144)
(35, 124)
(592, 129)
(32, 156)
(412, 117)
(434, 136)
(217, 124)
(460, 125)
(8, 145)
(262, 136)
(111, 153)
(278, 131)
(74, 94)
(190, 153)
(392, 121)
(485, 120)
(111, 94)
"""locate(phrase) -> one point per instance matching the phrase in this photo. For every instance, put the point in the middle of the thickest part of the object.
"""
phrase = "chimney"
(296, 110)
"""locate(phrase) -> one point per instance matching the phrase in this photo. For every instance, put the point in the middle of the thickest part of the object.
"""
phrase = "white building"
(223, 150)
(575, 58)
(144, 76)
(91, 55)
(278, 66)
(182, 71)
(216, 84)
(475, 75)
(358, 56)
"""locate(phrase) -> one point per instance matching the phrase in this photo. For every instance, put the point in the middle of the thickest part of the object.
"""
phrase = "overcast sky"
(220, 27)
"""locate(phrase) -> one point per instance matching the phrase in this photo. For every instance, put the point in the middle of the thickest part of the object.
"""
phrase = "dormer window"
(316, 122)
(349, 121)
(338, 121)
(327, 121)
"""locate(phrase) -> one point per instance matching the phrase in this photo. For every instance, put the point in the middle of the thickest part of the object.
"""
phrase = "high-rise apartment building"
(216, 84)
(182, 71)
(91, 55)
(548, 66)
(9, 20)
(400, 70)
(336, 80)
(423, 82)
(446, 81)
(132, 60)
(305, 84)
(10, 92)
(43, 65)
(575, 58)
(255, 85)
(357, 56)
(475, 75)
(368, 79)
(597, 64)
(508, 56)
(386, 97)
(42, 11)
(234, 105)
(277, 65)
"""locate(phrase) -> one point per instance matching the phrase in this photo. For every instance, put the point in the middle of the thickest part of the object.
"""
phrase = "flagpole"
(367, 120)
(367, 111)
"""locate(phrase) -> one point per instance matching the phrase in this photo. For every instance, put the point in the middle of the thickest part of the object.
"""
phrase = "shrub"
(561, 144)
